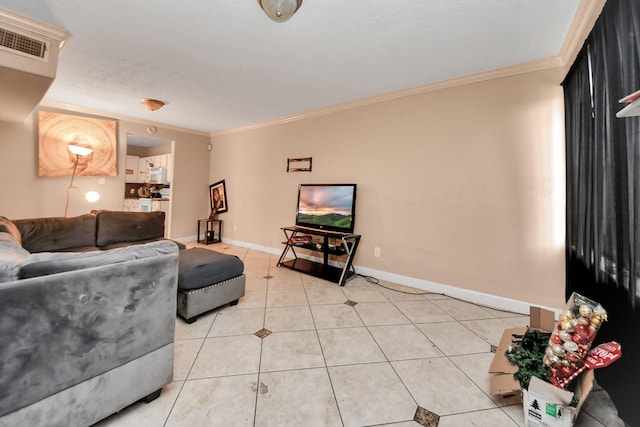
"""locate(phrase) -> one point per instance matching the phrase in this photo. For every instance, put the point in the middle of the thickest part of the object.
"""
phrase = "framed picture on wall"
(218, 196)
(56, 131)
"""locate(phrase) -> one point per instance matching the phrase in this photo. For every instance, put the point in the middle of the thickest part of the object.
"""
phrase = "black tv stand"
(329, 243)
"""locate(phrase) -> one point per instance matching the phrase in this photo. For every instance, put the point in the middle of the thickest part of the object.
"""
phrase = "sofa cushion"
(122, 226)
(7, 226)
(44, 263)
(180, 245)
(12, 256)
(57, 233)
(199, 267)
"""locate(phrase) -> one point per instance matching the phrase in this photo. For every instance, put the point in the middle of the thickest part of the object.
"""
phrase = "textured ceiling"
(222, 65)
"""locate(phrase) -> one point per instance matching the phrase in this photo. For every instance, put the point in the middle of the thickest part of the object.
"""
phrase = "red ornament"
(573, 357)
(583, 330)
(555, 338)
(566, 371)
(579, 339)
(583, 321)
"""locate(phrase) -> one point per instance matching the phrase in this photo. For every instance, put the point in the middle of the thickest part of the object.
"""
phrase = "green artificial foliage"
(527, 351)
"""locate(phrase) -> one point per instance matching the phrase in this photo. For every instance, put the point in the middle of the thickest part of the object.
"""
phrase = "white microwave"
(158, 175)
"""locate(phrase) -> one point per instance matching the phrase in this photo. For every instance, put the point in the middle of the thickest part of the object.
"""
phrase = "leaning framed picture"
(218, 196)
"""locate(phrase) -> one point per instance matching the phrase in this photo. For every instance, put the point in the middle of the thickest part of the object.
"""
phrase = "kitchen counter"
(134, 190)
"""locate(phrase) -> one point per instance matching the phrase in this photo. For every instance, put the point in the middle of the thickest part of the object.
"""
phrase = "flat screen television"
(330, 207)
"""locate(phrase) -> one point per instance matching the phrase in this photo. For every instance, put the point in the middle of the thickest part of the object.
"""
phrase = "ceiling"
(222, 64)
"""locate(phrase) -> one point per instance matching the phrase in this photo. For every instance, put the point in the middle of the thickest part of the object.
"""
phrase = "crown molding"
(583, 22)
(586, 15)
(525, 67)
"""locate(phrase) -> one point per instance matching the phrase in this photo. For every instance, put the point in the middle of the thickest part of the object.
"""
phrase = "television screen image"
(329, 207)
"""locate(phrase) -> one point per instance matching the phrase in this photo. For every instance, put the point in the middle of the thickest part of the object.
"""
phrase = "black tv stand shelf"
(329, 243)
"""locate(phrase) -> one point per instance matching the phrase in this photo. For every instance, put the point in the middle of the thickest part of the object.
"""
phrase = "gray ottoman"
(207, 280)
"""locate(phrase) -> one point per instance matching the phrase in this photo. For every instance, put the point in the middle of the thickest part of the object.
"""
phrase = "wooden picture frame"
(299, 165)
(218, 198)
(56, 131)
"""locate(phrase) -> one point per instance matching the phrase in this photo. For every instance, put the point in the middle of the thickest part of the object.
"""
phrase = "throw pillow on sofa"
(7, 226)
(57, 233)
(118, 227)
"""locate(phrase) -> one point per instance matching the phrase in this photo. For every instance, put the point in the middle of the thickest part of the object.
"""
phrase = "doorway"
(148, 176)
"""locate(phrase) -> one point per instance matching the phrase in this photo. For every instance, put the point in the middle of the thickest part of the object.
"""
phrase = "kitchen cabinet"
(165, 161)
(131, 169)
(132, 205)
(159, 160)
(144, 164)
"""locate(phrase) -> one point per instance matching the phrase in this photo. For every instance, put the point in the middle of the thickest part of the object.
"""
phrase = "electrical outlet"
(376, 252)
(235, 228)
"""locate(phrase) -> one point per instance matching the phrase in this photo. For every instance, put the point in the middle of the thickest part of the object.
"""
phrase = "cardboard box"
(502, 383)
(543, 404)
(547, 405)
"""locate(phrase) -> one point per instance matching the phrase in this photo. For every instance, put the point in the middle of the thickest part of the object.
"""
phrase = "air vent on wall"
(29, 51)
(21, 43)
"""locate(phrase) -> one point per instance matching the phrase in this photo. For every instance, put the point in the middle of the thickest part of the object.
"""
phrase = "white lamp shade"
(79, 150)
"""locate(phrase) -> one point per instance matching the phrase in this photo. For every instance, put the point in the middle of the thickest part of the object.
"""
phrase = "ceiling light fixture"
(152, 104)
(280, 10)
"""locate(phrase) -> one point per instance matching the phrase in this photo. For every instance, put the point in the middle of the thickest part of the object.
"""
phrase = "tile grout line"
(324, 357)
(184, 382)
(264, 325)
(388, 361)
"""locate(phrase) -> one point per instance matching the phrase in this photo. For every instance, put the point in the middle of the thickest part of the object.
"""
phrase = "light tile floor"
(327, 363)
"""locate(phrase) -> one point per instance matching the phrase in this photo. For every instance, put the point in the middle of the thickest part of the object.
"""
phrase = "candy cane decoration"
(598, 357)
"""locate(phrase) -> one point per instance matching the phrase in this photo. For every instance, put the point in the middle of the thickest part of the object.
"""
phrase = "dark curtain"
(603, 191)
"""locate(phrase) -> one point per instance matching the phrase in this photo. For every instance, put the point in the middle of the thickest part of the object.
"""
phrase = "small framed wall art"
(299, 165)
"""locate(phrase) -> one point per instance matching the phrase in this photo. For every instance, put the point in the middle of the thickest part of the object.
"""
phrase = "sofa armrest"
(61, 329)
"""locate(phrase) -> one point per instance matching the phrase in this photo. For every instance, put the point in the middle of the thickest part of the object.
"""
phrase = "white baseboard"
(480, 298)
(185, 239)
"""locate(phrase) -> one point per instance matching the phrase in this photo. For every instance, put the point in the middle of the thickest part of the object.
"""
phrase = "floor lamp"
(79, 151)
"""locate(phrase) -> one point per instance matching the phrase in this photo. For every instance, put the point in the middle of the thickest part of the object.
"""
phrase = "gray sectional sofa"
(87, 316)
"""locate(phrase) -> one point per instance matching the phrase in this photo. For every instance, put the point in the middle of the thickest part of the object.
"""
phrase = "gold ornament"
(567, 315)
(585, 310)
(565, 324)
